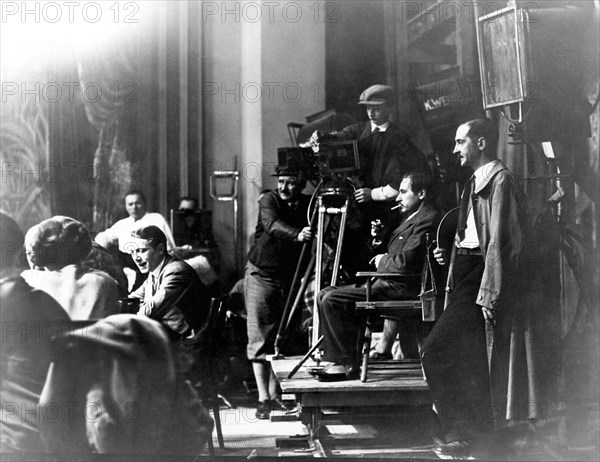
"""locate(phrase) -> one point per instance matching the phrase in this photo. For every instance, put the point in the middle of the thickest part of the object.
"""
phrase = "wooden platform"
(390, 384)
(383, 376)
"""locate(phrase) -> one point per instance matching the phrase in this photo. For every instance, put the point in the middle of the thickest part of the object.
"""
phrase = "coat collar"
(163, 265)
(424, 209)
(491, 170)
(367, 128)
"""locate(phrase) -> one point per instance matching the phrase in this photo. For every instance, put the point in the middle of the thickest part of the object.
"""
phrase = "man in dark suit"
(172, 293)
(405, 255)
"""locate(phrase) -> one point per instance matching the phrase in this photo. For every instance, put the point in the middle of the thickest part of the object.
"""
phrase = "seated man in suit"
(405, 255)
(172, 293)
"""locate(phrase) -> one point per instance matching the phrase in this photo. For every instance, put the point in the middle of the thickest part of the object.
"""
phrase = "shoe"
(263, 410)
(337, 373)
(454, 450)
(375, 355)
(278, 405)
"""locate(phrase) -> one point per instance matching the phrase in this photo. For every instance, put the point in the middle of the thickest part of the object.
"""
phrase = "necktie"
(465, 207)
(376, 130)
(154, 283)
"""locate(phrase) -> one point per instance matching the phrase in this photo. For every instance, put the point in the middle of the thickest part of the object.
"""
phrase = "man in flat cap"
(386, 155)
(386, 152)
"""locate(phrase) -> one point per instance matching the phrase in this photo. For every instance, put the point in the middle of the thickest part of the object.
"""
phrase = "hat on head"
(287, 170)
(377, 95)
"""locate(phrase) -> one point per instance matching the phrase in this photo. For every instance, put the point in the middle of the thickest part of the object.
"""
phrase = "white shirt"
(121, 231)
(382, 128)
(383, 193)
(471, 239)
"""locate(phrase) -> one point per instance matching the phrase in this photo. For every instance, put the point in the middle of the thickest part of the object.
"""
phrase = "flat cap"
(377, 94)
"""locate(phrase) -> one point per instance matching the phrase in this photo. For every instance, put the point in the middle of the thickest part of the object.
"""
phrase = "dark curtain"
(71, 144)
(109, 79)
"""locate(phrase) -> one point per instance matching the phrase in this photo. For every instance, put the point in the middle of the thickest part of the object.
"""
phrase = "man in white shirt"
(120, 232)
(482, 290)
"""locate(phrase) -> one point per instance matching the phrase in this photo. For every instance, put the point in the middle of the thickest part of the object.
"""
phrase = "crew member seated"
(191, 229)
(120, 232)
(405, 255)
(172, 293)
(188, 204)
(118, 235)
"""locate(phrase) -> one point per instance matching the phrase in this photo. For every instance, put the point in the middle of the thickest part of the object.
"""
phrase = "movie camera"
(334, 160)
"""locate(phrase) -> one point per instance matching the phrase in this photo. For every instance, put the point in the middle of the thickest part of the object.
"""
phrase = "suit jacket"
(180, 301)
(407, 246)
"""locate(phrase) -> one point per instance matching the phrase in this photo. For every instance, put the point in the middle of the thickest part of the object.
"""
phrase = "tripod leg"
(301, 291)
(340, 241)
(281, 331)
(318, 269)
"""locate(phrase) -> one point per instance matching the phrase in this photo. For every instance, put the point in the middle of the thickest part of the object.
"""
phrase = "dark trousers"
(338, 321)
(455, 360)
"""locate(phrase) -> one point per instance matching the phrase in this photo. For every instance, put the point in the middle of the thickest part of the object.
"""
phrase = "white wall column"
(251, 159)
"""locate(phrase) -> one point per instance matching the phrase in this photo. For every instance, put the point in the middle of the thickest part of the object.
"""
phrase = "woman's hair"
(58, 241)
(101, 259)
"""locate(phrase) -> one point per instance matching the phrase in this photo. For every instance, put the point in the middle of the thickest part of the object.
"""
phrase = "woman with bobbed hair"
(56, 249)
(30, 321)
